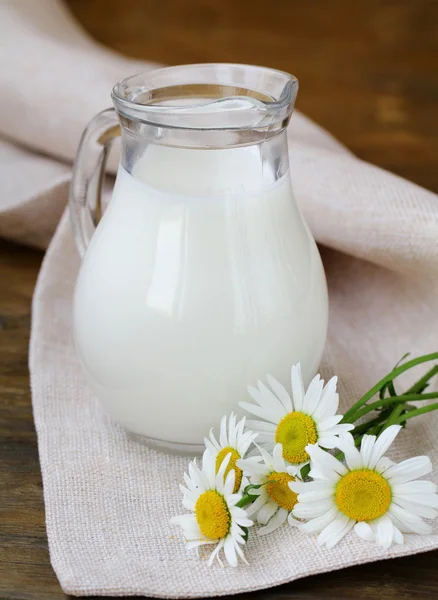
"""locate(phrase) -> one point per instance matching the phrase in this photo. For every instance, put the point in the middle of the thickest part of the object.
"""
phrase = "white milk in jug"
(199, 280)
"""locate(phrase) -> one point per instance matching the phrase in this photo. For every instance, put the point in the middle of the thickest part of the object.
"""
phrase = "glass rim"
(253, 96)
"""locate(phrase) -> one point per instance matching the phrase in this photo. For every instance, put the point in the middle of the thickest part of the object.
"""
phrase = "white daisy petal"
(302, 487)
(321, 475)
(211, 447)
(398, 536)
(241, 516)
(213, 441)
(328, 407)
(215, 553)
(266, 440)
(324, 461)
(229, 483)
(223, 433)
(422, 510)
(340, 429)
(281, 393)
(353, 457)
(412, 522)
(293, 522)
(261, 426)
(271, 399)
(329, 401)
(241, 555)
(256, 505)
(313, 395)
(250, 469)
(319, 523)
(384, 532)
(193, 475)
(245, 441)
(240, 427)
(267, 401)
(316, 495)
(233, 499)
(402, 527)
(365, 532)
(199, 476)
(185, 520)
(335, 531)
(383, 465)
(409, 469)
(189, 493)
(421, 499)
(328, 441)
(415, 487)
(188, 503)
(230, 552)
(297, 387)
(382, 444)
(266, 512)
(219, 481)
(232, 430)
(292, 470)
(260, 412)
(310, 510)
(277, 454)
(245, 522)
(339, 535)
(366, 449)
(189, 482)
(328, 422)
(268, 459)
(277, 520)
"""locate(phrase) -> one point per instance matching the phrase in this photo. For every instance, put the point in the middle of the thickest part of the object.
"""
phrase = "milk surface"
(199, 280)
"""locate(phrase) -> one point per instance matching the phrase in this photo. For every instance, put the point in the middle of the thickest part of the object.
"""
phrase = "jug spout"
(207, 98)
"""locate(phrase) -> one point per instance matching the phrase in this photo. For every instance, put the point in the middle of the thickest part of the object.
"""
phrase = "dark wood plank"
(369, 73)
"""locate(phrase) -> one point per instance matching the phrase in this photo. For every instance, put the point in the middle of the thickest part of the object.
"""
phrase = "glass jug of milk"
(201, 277)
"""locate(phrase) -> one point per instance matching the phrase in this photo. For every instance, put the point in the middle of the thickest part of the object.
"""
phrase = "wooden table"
(369, 73)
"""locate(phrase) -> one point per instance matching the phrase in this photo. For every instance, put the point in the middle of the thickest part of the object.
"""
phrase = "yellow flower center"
(363, 495)
(212, 514)
(231, 465)
(279, 490)
(295, 431)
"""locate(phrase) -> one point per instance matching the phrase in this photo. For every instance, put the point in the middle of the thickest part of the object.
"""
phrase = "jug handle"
(88, 173)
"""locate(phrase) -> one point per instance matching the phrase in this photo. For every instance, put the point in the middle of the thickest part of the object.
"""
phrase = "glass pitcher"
(201, 277)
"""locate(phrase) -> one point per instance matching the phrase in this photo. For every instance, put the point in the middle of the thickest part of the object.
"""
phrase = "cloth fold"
(108, 499)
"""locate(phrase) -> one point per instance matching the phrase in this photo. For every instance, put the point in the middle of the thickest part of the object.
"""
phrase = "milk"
(200, 279)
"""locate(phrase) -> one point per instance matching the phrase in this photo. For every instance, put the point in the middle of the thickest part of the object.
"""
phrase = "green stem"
(305, 471)
(416, 412)
(247, 499)
(421, 383)
(396, 412)
(388, 402)
(392, 375)
(364, 427)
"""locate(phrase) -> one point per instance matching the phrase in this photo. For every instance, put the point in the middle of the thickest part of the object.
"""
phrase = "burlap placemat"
(109, 500)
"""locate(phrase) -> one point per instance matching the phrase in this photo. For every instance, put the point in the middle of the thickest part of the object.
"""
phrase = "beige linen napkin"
(109, 500)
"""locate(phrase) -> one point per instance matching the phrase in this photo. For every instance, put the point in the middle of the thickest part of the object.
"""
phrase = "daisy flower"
(306, 418)
(373, 495)
(275, 498)
(232, 440)
(214, 517)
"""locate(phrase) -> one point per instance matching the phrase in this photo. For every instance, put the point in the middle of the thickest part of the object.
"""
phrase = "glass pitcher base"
(176, 449)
